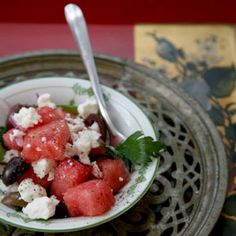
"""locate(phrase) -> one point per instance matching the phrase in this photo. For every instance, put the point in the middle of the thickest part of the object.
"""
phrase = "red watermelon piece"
(69, 173)
(90, 198)
(49, 114)
(46, 141)
(114, 172)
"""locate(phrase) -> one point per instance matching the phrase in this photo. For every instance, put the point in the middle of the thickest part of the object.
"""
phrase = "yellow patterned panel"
(201, 59)
(186, 36)
(196, 40)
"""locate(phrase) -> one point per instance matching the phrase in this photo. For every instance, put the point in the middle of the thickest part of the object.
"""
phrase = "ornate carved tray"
(188, 193)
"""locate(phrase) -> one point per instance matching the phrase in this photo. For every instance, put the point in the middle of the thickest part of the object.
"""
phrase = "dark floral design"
(221, 80)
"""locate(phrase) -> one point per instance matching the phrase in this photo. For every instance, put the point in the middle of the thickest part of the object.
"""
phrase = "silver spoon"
(77, 24)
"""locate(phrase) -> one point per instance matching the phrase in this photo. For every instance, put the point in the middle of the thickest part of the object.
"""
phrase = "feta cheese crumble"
(121, 179)
(27, 117)
(43, 139)
(87, 139)
(30, 191)
(75, 124)
(88, 107)
(44, 101)
(51, 175)
(17, 136)
(1, 169)
(10, 154)
(8, 189)
(70, 150)
(95, 127)
(43, 167)
(41, 208)
(92, 135)
(16, 133)
(96, 170)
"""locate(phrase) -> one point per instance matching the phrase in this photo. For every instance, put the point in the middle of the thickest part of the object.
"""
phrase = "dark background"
(121, 11)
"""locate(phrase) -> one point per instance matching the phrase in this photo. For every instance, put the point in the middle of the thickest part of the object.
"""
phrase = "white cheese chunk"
(44, 101)
(83, 144)
(96, 170)
(95, 127)
(41, 208)
(70, 150)
(75, 125)
(121, 179)
(10, 154)
(1, 169)
(8, 189)
(91, 135)
(17, 136)
(88, 107)
(27, 117)
(43, 167)
(51, 175)
(87, 139)
(30, 191)
(16, 133)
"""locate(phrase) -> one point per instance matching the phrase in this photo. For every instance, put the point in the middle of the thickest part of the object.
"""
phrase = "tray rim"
(215, 136)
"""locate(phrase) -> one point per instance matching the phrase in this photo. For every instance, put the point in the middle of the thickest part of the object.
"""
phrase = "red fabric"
(112, 40)
(121, 11)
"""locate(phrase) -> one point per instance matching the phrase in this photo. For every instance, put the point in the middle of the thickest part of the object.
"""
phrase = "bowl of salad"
(59, 172)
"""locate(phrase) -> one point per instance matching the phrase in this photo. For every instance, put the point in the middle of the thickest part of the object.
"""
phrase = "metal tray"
(189, 190)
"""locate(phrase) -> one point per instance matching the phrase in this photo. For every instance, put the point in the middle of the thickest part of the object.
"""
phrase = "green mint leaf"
(69, 108)
(140, 149)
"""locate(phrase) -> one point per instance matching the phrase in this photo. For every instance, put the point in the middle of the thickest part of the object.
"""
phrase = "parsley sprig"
(140, 149)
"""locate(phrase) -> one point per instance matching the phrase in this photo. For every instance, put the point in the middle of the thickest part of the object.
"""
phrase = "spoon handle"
(76, 21)
(77, 24)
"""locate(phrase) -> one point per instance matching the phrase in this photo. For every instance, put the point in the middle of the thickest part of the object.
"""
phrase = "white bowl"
(127, 117)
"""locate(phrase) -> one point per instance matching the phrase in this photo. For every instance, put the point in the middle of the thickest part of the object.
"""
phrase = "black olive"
(61, 211)
(13, 170)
